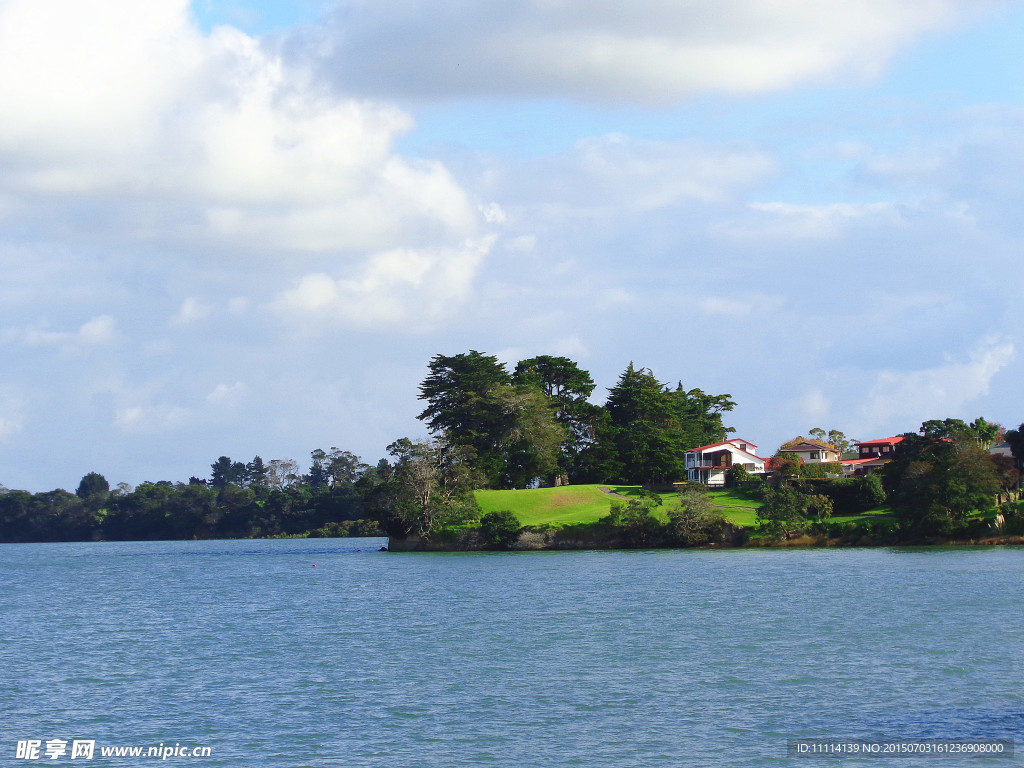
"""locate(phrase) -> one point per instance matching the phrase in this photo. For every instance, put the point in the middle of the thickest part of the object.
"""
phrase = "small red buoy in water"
(314, 565)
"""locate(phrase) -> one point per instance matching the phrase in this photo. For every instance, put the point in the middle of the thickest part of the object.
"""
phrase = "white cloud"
(191, 310)
(811, 407)
(401, 288)
(152, 418)
(642, 175)
(98, 331)
(603, 50)
(227, 394)
(792, 221)
(206, 141)
(753, 305)
(572, 347)
(908, 398)
(521, 244)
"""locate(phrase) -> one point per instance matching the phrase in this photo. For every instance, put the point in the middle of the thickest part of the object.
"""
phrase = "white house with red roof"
(871, 454)
(709, 463)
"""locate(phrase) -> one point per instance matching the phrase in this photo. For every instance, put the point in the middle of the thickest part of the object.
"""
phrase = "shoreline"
(470, 541)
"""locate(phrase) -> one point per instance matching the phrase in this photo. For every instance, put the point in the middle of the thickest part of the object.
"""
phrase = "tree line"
(489, 427)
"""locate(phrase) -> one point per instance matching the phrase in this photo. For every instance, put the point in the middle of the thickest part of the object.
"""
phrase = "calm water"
(541, 659)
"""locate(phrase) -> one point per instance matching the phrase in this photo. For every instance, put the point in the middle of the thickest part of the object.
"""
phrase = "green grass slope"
(586, 503)
(538, 506)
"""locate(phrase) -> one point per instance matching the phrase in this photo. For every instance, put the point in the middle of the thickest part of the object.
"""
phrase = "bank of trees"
(942, 481)
(500, 428)
(536, 423)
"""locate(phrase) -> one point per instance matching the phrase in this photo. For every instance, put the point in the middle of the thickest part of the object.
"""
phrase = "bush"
(737, 476)
(853, 496)
(634, 521)
(696, 522)
(500, 529)
(821, 470)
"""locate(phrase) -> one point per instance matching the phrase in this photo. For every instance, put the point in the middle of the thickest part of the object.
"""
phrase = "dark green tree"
(649, 441)
(225, 471)
(567, 387)
(695, 522)
(256, 473)
(784, 512)
(500, 529)
(462, 407)
(1015, 437)
(92, 484)
(634, 520)
(938, 479)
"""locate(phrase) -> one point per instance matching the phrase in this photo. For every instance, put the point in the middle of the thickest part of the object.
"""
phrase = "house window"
(743, 446)
(814, 454)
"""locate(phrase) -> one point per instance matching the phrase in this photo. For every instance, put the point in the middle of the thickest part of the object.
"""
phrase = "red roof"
(883, 441)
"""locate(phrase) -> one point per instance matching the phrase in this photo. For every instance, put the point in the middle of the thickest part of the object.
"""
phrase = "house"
(811, 451)
(709, 463)
(871, 454)
(1001, 449)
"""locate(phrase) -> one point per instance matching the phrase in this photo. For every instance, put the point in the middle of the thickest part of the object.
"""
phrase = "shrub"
(634, 520)
(500, 529)
(696, 522)
(821, 470)
(737, 476)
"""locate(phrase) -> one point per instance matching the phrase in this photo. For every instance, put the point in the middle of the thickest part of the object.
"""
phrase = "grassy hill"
(587, 503)
(537, 506)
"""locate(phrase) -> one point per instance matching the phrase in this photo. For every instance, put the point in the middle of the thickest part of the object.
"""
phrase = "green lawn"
(537, 506)
(587, 504)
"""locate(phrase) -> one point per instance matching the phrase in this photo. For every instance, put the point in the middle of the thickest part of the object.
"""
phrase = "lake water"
(669, 658)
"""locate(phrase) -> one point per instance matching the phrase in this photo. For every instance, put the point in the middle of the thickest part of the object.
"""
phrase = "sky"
(245, 227)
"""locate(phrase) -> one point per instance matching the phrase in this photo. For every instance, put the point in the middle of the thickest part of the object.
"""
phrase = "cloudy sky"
(239, 227)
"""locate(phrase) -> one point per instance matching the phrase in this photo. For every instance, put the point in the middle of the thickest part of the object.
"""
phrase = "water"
(631, 659)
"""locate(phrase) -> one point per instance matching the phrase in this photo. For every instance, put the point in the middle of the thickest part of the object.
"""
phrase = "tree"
(429, 484)
(938, 479)
(318, 476)
(532, 436)
(344, 467)
(510, 422)
(737, 476)
(500, 529)
(786, 465)
(783, 512)
(1015, 437)
(635, 520)
(695, 521)
(462, 407)
(833, 437)
(557, 377)
(92, 484)
(282, 473)
(647, 435)
(984, 432)
(256, 473)
(567, 387)
(700, 415)
(224, 472)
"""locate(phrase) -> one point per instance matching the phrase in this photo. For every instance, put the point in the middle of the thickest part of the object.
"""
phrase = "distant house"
(709, 463)
(871, 454)
(811, 451)
(1001, 449)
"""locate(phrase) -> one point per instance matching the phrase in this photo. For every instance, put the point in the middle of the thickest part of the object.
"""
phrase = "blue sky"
(237, 228)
